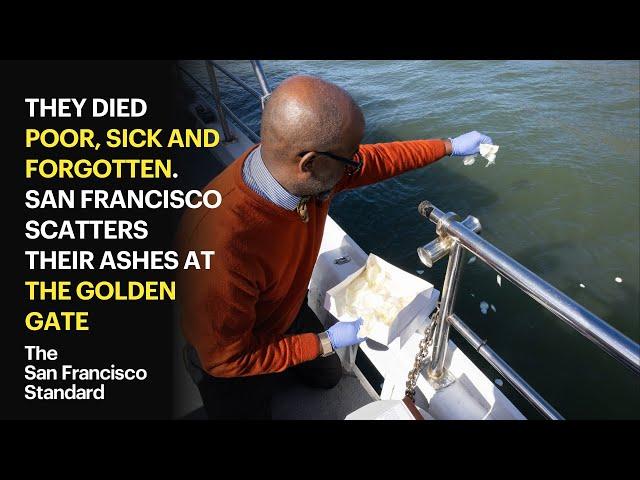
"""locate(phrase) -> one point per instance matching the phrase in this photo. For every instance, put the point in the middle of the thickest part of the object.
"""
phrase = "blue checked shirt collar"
(258, 178)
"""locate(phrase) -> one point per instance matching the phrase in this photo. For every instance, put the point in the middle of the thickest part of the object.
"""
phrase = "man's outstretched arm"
(385, 160)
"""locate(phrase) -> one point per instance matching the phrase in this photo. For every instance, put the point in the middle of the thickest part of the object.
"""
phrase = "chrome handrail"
(221, 106)
(502, 367)
(454, 235)
(250, 133)
(262, 80)
(236, 79)
(215, 90)
(259, 72)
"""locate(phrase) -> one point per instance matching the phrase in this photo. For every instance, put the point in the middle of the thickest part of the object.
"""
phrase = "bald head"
(309, 113)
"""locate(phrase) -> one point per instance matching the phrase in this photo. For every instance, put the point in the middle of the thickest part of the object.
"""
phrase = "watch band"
(325, 343)
(450, 140)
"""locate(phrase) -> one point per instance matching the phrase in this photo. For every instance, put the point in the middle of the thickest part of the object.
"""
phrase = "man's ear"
(305, 165)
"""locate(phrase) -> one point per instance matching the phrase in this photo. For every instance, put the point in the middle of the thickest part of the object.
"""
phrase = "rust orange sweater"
(236, 314)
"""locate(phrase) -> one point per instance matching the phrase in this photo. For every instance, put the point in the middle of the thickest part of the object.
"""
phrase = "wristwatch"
(450, 140)
(325, 344)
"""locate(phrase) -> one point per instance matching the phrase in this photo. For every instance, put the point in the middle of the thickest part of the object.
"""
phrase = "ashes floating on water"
(618, 280)
(484, 307)
(499, 280)
(493, 307)
(471, 260)
(582, 285)
(419, 272)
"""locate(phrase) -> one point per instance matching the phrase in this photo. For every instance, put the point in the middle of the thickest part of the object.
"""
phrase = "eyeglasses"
(352, 165)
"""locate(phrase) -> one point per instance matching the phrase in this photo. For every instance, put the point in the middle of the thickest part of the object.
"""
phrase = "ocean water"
(563, 199)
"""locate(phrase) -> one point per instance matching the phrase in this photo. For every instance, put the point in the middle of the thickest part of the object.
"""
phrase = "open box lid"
(397, 281)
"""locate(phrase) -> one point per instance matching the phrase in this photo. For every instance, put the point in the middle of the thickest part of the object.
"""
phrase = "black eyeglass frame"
(355, 165)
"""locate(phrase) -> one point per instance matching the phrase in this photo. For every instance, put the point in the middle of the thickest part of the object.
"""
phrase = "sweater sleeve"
(385, 160)
(222, 302)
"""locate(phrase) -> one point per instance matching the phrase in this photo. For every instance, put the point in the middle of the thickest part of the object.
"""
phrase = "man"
(247, 317)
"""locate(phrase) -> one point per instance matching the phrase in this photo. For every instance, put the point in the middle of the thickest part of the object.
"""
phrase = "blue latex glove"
(343, 334)
(468, 144)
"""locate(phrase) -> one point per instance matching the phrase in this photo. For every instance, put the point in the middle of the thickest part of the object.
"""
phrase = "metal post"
(236, 79)
(234, 118)
(216, 94)
(262, 80)
(441, 335)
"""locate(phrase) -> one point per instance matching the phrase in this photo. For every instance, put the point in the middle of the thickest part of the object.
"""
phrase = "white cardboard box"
(425, 299)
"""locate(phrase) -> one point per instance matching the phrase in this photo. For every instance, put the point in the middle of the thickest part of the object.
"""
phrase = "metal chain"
(421, 356)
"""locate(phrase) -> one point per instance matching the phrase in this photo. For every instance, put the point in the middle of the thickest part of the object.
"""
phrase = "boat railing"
(453, 236)
(223, 110)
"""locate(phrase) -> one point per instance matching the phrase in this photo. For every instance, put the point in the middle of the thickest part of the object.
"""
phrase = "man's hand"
(343, 334)
(468, 144)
